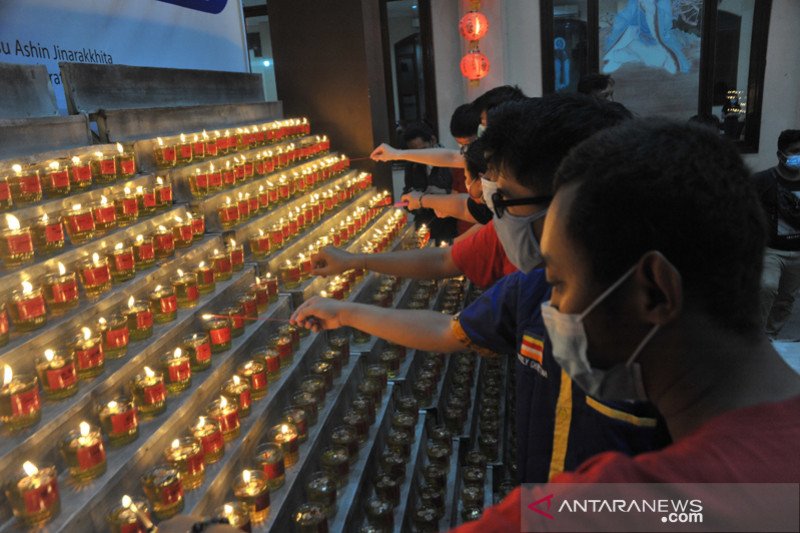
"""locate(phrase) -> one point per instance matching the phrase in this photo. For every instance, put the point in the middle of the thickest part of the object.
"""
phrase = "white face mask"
(519, 242)
(488, 187)
(568, 337)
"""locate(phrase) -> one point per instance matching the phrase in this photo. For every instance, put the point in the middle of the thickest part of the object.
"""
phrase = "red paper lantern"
(474, 66)
(473, 26)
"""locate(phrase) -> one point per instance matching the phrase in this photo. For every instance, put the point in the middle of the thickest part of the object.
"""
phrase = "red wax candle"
(198, 224)
(164, 243)
(237, 255)
(260, 244)
(272, 286)
(228, 214)
(80, 173)
(61, 290)
(244, 207)
(96, 275)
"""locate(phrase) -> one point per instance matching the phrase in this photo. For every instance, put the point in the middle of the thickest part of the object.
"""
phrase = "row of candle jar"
(22, 185)
(239, 169)
(185, 148)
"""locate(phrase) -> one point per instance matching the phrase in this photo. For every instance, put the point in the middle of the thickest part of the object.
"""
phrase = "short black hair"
(475, 159)
(464, 121)
(494, 97)
(530, 138)
(594, 82)
(418, 130)
(680, 189)
(788, 138)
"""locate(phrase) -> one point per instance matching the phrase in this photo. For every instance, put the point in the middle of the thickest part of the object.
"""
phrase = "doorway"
(408, 55)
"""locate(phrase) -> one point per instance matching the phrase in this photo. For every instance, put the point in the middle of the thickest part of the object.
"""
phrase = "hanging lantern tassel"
(474, 66)
(473, 26)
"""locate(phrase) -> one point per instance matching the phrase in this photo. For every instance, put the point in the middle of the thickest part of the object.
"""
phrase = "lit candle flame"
(201, 422)
(30, 468)
(61, 269)
(7, 375)
(13, 222)
(119, 148)
(126, 501)
(205, 135)
(284, 429)
(227, 509)
(201, 264)
(324, 294)
(180, 273)
(84, 429)
(49, 354)
(183, 138)
(160, 141)
(211, 167)
(228, 200)
(54, 165)
(177, 353)
(95, 258)
(103, 199)
(87, 333)
(223, 402)
(236, 380)
(176, 444)
(76, 160)
(207, 316)
(178, 219)
(118, 246)
(233, 243)
(131, 301)
(158, 288)
(27, 288)
(149, 372)
(196, 137)
(246, 476)
(159, 180)
(17, 168)
(112, 404)
(260, 232)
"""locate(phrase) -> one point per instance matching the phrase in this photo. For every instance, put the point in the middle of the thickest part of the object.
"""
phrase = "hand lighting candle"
(126, 163)
(80, 174)
(144, 252)
(164, 243)
(129, 517)
(182, 232)
(48, 235)
(16, 243)
(104, 168)
(19, 400)
(222, 265)
(270, 457)
(122, 262)
(163, 304)
(226, 413)
(164, 490)
(285, 436)
(57, 374)
(84, 453)
(236, 252)
(198, 347)
(149, 392)
(28, 310)
(252, 490)
(186, 289)
(186, 456)
(177, 369)
(55, 182)
(139, 318)
(119, 419)
(165, 155)
(205, 278)
(95, 275)
(237, 390)
(207, 431)
(89, 356)
(126, 207)
(25, 185)
(34, 495)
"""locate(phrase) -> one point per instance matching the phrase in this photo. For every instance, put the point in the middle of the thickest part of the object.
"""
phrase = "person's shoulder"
(765, 176)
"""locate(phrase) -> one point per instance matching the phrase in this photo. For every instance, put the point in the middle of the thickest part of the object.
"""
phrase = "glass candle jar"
(388, 488)
(33, 494)
(251, 488)
(164, 490)
(260, 245)
(236, 319)
(237, 390)
(275, 236)
(126, 208)
(304, 263)
(226, 414)
(57, 374)
(236, 252)
(115, 334)
(149, 392)
(61, 290)
(345, 437)
(394, 464)
(123, 519)
(228, 214)
(182, 232)
(186, 456)
(308, 403)
(248, 306)
(177, 370)
(165, 154)
(27, 308)
(290, 274)
(380, 513)
(119, 419)
(48, 235)
(254, 372)
(322, 488)
(122, 262)
(80, 173)
(283, 345)
(358, 422)
(184, 150)
(164, 243)
(310, 518)
(16, 243)
(163, 192)
(139, 318)
(272, 363)
(335, 461)
(163, 304)
(126, 163)
(237, 515)
(207, 432)
(269, 457)
(198, 183)
(205, 278)
(198, 348)
(297, 416)
(366, 405)
(198, 220)
(95, 275)
(218, 329)
(285, 435)
(324, 371)
(315, 386)
(222, 266)
(25, 185)
(146, 198)
(260, 292)
(84, 453)
(79, 223)
(144, 252)
(105, 215)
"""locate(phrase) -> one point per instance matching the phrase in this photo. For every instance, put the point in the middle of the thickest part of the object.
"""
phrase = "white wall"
(513, 45)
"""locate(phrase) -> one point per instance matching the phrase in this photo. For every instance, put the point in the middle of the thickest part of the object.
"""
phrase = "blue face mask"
(792, 161)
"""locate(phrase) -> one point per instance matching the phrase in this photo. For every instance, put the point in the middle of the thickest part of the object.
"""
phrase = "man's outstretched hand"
(333, 261)
(318, 314)
(384, 152)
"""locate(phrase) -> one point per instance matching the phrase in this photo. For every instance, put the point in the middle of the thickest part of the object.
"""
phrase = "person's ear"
(659, 289)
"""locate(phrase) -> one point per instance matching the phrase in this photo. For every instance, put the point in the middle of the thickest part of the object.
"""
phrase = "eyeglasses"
(501, 205)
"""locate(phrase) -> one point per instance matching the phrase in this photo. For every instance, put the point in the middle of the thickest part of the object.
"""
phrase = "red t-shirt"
(752, 445)
(481, 257)
(460, 186)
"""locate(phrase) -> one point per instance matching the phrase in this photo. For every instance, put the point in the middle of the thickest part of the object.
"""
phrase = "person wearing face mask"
(656, 294)
(779, 190)
(557, 425)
